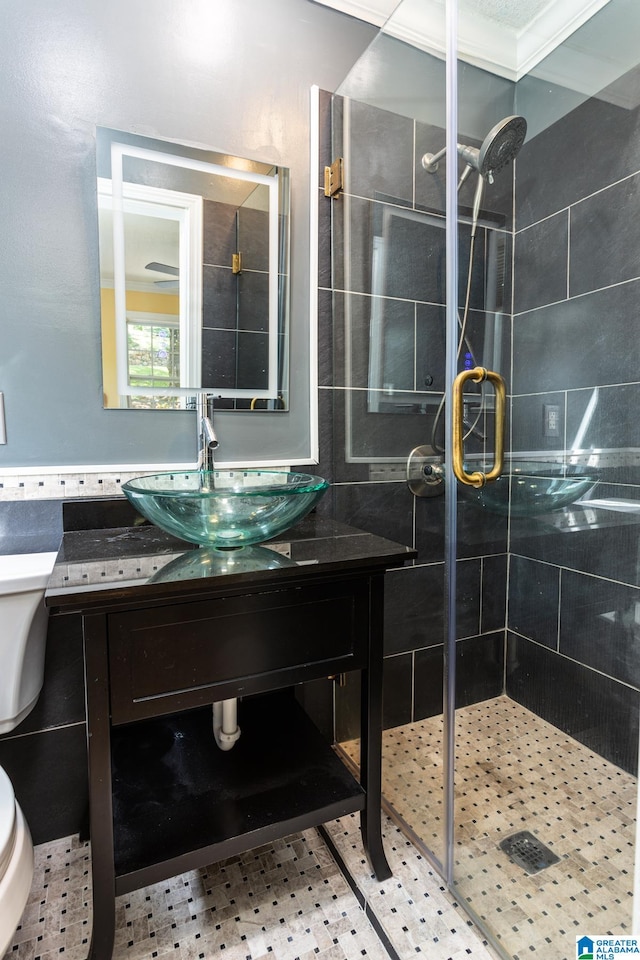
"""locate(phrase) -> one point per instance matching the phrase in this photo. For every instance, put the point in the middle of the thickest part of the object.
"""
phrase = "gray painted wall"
(233, 75)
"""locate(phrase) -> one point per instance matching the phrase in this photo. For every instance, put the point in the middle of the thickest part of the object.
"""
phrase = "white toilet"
(23, 633)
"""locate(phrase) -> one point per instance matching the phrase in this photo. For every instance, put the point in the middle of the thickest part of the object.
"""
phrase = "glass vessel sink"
(535, 488)
(225, 508)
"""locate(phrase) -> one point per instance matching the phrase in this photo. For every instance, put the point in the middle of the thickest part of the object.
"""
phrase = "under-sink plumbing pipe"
(225, 723)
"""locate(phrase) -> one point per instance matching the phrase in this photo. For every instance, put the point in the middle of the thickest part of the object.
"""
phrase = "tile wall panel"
(574, 571)
(541, 251)
(590, 148)
(594, 709)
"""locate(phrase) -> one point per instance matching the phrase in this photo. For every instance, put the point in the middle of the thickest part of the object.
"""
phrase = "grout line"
(568, 251)
(481, 604)
(359, 895)
(559, 611)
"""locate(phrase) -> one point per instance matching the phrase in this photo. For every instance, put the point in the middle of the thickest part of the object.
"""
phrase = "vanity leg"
(371, 735)
(96, 667)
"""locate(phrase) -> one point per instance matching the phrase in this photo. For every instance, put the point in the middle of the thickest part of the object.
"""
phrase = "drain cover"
(528, 852)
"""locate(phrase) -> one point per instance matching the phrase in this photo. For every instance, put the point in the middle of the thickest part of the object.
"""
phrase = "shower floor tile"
(516, 772)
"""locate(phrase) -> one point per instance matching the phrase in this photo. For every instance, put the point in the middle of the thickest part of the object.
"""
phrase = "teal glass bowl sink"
(225, 508)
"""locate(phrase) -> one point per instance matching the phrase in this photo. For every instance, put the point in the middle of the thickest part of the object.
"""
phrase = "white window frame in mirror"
(186, 210)
(120, 193)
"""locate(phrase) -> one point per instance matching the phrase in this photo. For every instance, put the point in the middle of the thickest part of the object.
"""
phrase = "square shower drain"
(528, 852)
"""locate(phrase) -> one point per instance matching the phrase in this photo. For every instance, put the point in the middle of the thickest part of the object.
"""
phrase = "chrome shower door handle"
(478, 374)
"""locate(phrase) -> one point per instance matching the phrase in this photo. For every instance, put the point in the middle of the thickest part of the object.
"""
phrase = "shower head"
(499, 147)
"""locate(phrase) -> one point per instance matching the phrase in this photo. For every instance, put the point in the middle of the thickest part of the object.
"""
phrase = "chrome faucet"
(207, 439)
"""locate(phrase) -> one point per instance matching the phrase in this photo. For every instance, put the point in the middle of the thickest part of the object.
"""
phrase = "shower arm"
(431, 162)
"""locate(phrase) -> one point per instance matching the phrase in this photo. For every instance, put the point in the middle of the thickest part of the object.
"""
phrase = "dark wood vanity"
(165, 635)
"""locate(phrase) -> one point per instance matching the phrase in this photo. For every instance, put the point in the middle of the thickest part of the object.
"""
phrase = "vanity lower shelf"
(180, 802)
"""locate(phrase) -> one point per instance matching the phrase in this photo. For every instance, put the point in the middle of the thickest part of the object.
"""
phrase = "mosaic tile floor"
(284, 901)
(515, 772)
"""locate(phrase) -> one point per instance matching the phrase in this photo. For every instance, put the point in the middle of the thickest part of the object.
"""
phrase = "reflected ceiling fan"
(166, 269)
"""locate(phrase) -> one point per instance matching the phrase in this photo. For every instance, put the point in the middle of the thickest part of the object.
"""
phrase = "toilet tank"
(23, 633)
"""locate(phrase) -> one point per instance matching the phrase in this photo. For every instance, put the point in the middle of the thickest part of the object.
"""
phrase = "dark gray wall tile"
(598, 712)
(605, 236)
(578, 343)
(414, 605)
(494, 593)
(325, 207)
(529, 418)
(385, 509)
(603, 418)
(430, 346)
(479, 668)
(325, 423)
(427, 694)
(480, 674)
(219, 357)
(594, 145)
(253, 299)
(219, 232)
(583, 538)
(380, 324)
(397, 683)
(252, 361)
(326, 339)
(413, 608)
(480, 531)
(534, 592)
(599, 625)
(325, 108)
(88, 513)
(541, 263)
(219, 298)
(253, 237)
(380, 157)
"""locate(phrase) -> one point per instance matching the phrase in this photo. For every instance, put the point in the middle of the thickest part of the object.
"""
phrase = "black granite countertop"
(115, 567)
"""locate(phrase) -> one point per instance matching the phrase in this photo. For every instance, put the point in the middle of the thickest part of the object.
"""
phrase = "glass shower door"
(546, 767)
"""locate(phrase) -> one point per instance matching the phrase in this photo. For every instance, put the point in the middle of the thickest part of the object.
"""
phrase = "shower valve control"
(425, 473)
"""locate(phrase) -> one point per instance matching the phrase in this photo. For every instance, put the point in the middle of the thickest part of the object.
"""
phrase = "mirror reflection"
(194, 275)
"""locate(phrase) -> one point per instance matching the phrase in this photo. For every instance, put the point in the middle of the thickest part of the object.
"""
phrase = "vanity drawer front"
(171, 658)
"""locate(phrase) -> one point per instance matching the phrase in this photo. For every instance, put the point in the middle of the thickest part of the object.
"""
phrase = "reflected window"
(153, 359)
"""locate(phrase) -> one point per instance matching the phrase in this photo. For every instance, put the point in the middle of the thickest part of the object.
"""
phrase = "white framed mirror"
(194, 275)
